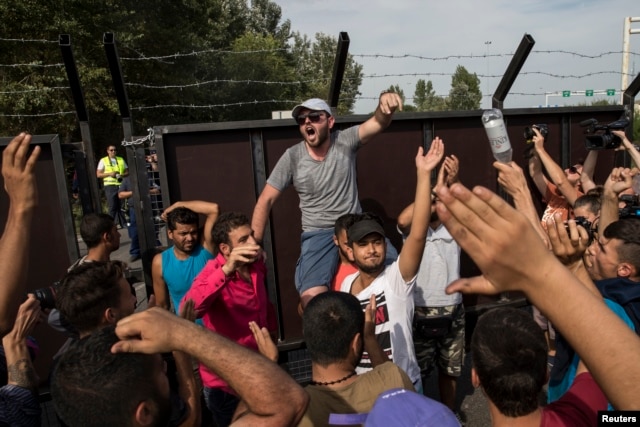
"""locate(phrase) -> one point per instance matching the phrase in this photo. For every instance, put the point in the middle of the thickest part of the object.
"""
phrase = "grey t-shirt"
(327, 188)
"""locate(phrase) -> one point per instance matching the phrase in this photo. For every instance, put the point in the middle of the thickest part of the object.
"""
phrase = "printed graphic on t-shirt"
(383, 332)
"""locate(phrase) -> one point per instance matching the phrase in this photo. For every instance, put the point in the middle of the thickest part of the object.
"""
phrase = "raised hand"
(18, 172)
(266, 346)
(389, 103)
(426, 163)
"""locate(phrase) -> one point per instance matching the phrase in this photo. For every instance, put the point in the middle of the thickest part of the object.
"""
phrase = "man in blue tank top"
(174, 269)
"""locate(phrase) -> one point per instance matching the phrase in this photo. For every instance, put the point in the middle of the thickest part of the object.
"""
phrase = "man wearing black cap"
(393, 285)
(323, 171)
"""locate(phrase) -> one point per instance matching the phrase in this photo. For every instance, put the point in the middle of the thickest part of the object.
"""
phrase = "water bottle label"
(498, 138)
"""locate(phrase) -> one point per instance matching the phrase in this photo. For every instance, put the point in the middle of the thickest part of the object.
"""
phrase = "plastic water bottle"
(497, 134)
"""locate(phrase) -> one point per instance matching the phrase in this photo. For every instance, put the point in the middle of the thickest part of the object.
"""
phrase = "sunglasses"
(111, 150)
(314, 117)
(573, 169)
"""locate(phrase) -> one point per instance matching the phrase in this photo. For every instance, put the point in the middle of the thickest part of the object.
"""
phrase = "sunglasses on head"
(314, 117)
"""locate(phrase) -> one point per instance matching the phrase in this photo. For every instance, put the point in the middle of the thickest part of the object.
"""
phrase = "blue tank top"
(179, 275)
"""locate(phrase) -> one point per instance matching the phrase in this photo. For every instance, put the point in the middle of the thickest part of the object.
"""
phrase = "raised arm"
(388, 104)
(272, 397)
(411, 254)
(511, 178)
(627, 145)
(511, 256)
(447, 175)
(18, 171)
(619, 180)
(554, 170)
(535, 172)
(588, 169)
(209, 209)
(20, 370)
(262, 209)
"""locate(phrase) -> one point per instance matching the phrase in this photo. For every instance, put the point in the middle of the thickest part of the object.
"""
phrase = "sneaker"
(134, 258)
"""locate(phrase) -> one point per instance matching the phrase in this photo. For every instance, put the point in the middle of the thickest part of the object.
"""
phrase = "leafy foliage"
(425, 98)
(465, 91)
(231, 53)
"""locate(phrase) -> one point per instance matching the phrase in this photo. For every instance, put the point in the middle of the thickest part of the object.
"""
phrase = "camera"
(602, 138)
(529, 133)
(584, 223)
(47, 295)
(631, 207)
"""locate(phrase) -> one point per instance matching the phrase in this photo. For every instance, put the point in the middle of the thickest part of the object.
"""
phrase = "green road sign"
(566, 93)
(611, 92)
(588, 92)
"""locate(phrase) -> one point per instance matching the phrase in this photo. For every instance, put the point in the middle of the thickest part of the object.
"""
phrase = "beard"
(369, 268)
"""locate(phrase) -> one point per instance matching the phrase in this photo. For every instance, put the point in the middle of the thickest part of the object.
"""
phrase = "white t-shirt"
(394, 317)
(439, 267)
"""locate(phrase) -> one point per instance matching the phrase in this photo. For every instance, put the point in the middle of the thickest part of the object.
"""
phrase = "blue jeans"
(319, 259)
(221, 404)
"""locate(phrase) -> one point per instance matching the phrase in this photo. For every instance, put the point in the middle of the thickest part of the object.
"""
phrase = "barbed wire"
(60, 113)
(208, 82)
(42, 89)
(197, 53)
(31, 64)
(484, 56)
(366, 76)
(28, 40)
(223, 105)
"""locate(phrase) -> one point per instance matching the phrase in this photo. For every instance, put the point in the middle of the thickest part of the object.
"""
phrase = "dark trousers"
(221, 404)
(134, 249)
(113, 204)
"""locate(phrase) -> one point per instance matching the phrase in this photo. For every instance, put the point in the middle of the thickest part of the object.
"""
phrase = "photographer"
(563, 189)
(628, 146)
(112, 169)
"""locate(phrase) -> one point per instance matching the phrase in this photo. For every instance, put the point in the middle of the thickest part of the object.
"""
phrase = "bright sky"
(484, 28)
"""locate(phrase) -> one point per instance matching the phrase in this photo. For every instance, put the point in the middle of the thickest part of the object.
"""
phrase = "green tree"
(425, 98)
(465, 91)
(313, 66)
(221, 51)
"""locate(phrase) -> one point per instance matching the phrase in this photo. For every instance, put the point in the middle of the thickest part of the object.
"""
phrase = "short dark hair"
(182, 215)
(509, 354)
(589, 201)
(87, 291)
(93, 226)
(627, 230)
(344, 222)
(93, 387)
(225, 224)
(596, 191)
(329, 323)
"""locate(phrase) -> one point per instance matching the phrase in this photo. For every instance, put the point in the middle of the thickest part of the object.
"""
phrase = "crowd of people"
(376, 322)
